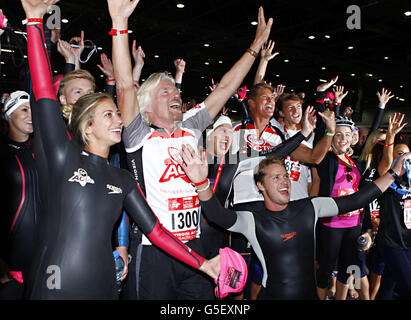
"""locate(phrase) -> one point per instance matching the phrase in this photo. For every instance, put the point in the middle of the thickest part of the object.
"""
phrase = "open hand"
(195, 168)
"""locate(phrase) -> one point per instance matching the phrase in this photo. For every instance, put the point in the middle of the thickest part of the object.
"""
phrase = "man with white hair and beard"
(153, 135)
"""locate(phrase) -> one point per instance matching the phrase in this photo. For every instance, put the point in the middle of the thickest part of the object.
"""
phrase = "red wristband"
(200, 183)
(33, 20)
(115, 32)
(110, 80)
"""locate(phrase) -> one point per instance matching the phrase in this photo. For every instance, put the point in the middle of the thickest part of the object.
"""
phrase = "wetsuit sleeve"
(48, 123)
(327, 206)
(285, 148)
(137, 207)
(69, 67)
(216, 213)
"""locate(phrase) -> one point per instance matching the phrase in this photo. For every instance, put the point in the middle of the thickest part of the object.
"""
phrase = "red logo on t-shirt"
(288, 236)
(173, 169)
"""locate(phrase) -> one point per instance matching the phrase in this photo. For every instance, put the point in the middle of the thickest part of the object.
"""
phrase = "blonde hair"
(260, 171)
(367, 154)
(144, 92)
(76, 74)
(81, 114)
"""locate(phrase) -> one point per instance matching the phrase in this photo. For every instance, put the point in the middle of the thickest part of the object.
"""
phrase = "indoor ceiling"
(312, 37)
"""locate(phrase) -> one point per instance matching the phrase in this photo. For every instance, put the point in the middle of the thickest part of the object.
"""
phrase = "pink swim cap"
(233, 273)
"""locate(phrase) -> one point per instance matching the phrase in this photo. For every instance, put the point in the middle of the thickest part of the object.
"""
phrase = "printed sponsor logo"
(81, 177)
(288, 236)
(114, 189)
(173, 170)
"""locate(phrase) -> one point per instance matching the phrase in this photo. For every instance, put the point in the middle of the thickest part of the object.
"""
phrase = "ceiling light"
(401, 86)
(156, 56)
(221, 61)
(350, 47)
(352, 74)
(277, 75)
(321, 80)
(286, 60)
(323, 68)
(254, 23)
(206, 44)
(407, 13)
(64, 20)
(386, 58)
(206, 63)
(307, 80)
(311, 37)
(327, 36)
(180, 5)
(379, 80)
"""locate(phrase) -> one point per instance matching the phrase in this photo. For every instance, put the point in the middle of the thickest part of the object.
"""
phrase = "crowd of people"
(318, 207)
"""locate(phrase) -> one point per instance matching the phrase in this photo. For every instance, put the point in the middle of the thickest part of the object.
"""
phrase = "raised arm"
(320, 149)
(265, 56)
(48, 124)
(138, 57)
(120, 11)
(234, 77)
(395, 125)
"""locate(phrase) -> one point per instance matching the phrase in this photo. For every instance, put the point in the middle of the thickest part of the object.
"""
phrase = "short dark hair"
(289, 96)
(254, 89)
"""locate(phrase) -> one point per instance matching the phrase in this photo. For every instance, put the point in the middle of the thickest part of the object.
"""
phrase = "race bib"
(293, 168)
(407, 213)
(184, 217)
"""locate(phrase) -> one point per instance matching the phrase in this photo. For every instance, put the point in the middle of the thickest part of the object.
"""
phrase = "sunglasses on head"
(348, 175)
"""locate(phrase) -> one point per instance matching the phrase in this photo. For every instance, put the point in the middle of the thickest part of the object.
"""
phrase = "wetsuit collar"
(95, 158)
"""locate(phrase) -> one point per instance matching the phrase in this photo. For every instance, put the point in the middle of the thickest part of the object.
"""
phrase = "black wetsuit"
(20, 204)
(84, 197)
(284, 240)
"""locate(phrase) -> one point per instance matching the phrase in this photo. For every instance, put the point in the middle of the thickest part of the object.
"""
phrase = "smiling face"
(166, 106)
(292, 111)
(74, 89)
(105, 128)
(263, 105)
(342, 139)
(20, 123)
(220, 139)
(275, 187)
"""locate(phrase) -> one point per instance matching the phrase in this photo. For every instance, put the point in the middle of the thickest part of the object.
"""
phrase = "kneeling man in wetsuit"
(282, 234)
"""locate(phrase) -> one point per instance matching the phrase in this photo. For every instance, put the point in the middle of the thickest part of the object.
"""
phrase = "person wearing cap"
(218, 143)
(282, 233)
(337, 236)
(19, 180)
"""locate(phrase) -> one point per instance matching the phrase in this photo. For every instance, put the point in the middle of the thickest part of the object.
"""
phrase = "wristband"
(115, 32)
(205, 188)
(330, 134)
(252, 52)
(385, 144)
(394, 175)
(110, 80)
(30, 21)
(196, 184)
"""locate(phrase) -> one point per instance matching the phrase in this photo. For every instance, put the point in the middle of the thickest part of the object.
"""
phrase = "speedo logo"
(288, 236)
(114, 189)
